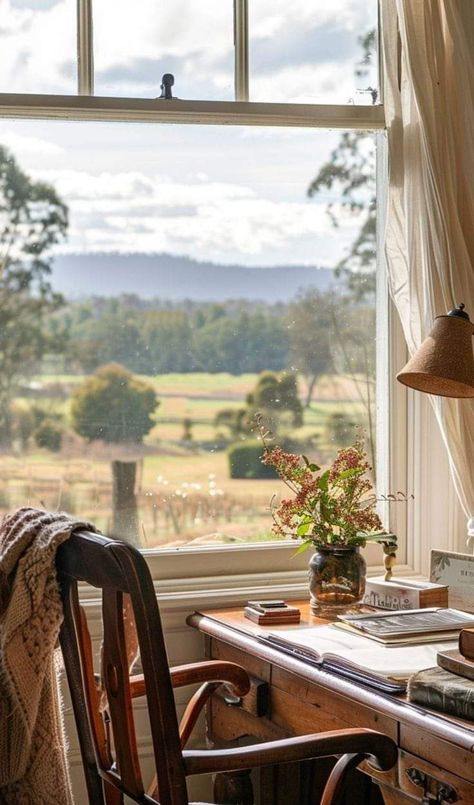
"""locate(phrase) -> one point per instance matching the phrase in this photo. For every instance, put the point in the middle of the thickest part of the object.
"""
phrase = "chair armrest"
(195, 673)
(212, 671)
(367, 743)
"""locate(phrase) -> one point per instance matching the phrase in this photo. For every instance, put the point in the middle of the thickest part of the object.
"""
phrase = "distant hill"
(174, 278)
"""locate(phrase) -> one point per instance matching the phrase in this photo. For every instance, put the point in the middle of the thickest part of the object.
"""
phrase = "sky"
(230, 195)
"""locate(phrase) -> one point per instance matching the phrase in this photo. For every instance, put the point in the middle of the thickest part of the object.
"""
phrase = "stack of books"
(272, 613)
(409, 627)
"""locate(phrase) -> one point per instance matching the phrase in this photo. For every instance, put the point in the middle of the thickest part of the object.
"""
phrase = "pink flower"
(328, 508)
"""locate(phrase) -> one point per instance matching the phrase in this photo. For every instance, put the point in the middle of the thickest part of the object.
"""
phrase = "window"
(244, 255)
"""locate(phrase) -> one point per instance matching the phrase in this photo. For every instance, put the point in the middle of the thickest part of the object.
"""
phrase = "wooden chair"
(111, 763)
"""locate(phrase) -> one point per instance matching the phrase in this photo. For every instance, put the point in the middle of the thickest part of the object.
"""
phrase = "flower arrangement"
(333, 508)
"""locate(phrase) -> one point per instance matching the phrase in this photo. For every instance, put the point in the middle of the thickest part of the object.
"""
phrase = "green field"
(184, 491)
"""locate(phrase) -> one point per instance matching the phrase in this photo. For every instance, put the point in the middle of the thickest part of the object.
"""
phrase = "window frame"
(180, 570)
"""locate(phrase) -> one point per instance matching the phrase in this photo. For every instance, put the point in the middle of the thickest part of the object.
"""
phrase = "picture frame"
(456, 570)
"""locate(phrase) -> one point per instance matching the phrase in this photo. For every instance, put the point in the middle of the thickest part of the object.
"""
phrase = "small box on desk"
(400, 593)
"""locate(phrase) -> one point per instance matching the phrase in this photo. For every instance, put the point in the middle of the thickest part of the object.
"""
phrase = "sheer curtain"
(429, 240)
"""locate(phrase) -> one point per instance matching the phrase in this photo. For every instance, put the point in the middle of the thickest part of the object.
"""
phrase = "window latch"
(166, 84)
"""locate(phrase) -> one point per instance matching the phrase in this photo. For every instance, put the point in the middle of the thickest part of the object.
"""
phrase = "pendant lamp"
(444, 363)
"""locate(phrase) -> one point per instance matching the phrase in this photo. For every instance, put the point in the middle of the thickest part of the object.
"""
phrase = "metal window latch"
(434, 791)
(166, 84)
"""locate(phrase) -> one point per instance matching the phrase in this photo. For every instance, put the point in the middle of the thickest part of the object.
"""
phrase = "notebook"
(386, 668)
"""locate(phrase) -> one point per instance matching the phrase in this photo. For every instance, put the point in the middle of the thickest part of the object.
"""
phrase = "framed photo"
(456, 570)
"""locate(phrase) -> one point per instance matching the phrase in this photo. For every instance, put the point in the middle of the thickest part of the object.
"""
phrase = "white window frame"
(227, 568)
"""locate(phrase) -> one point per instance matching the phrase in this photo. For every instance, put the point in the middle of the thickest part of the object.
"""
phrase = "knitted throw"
(33, 768)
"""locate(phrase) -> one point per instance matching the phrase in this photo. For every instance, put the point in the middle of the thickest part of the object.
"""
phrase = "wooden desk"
(296, 698)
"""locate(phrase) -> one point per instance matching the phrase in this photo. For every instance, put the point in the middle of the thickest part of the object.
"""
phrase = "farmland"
(183, 490)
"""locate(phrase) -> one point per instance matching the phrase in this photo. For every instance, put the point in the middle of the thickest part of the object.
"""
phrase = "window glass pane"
(38, 46)
(136, 43)
(195, 261)
(318, 52)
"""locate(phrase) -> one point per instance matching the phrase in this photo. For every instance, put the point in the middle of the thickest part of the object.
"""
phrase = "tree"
(236, 420)
(276, 394)
(247, 342)
(350, 171)
(118, 408)
(33, 219)
(309, 327)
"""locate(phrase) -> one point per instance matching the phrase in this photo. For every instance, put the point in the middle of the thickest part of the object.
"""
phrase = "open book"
(384, 667)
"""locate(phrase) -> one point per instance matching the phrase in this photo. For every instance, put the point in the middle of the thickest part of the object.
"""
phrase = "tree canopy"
(33, 219)
(114, 406)
(350, 171)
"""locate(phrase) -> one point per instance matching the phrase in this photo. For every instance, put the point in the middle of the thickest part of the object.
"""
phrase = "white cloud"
(27, 147)
(36, 47)
(131, 211)
(268, 18)
(330, 82)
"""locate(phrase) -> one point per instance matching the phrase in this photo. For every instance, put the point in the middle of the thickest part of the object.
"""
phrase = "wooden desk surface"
(306, 699)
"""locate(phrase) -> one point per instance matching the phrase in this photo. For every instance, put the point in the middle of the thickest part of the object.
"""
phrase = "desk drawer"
(253, 665)
(307, 707)
(410, 766)
(441, 754)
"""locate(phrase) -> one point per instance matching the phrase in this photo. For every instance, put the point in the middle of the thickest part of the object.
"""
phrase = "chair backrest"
(117, 568)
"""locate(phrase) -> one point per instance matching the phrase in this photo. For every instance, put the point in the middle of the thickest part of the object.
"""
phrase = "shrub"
(26, 418)
(49, 434)
(245, 461)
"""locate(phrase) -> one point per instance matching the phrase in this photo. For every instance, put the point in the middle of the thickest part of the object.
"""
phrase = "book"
(443, 691)
(386, 668)
(398, 593)
(410, 622)
(275, 615)
(406, 640)
(454, 662)
(466, 643)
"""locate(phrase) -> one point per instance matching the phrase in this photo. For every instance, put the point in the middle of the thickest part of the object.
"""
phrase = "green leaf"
(303, 547)
(303, 528)
(310, 466)
(351, 473)
(324, 481)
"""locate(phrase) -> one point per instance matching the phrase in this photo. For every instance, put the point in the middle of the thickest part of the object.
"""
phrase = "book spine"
(466, 643)
(443, 698)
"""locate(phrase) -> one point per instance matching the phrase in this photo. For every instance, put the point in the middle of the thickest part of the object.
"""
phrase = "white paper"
(384, 661)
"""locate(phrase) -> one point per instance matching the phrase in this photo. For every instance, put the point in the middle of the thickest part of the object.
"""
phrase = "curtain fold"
(429, 240)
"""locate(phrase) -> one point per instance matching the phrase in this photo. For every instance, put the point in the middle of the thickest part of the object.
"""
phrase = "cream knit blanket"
(33, 768)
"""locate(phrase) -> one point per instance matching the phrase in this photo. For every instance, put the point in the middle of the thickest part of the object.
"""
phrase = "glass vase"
(336, 580)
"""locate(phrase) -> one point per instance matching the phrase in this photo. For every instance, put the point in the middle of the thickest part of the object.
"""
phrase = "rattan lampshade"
(444, 364)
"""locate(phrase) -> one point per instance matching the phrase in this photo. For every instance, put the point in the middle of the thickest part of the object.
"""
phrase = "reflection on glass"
(38, 46)
(196, 269)
(136, 43)
(303, 52)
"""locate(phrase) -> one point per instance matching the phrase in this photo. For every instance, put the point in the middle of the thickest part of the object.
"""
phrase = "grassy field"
(184, 491)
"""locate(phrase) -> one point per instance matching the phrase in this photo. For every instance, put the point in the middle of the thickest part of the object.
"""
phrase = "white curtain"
(429, 241)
